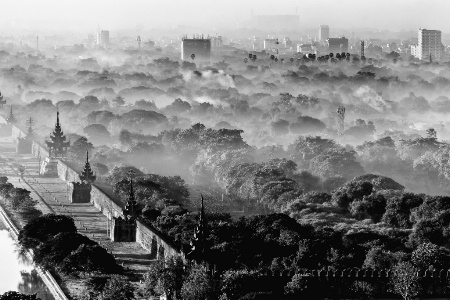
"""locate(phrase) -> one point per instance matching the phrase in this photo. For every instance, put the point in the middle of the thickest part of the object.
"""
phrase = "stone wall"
(67, 173)
(154, 242)
(323, 284)
(16, 132)
(39, 150)
(105, 204)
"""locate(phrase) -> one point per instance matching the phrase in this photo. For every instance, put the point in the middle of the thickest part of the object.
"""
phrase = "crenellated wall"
(149, 238)
(339, 284)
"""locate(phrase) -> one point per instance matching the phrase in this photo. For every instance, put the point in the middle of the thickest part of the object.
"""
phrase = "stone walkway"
(52, 194)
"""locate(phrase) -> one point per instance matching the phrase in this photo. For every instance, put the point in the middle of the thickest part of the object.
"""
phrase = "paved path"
(52, 194)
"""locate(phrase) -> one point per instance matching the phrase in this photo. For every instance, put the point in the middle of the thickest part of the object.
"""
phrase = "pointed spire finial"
(131, 189)
(87, 174)
(202, 211)
(11, 119)
(130, 209)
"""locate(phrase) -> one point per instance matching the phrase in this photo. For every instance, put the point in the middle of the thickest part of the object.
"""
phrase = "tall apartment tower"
(429, 45)
(103, 38)
(324, 33)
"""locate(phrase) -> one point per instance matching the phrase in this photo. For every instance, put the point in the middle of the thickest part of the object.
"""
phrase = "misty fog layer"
(301, 161)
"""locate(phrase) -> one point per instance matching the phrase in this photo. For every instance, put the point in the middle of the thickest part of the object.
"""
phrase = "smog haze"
(82, 16)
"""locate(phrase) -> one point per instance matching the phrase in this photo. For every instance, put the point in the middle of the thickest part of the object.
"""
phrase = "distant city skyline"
(84, 15)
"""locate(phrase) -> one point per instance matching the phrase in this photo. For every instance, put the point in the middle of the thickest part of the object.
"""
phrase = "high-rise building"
(337, 45)
(103, 38)
(324, 33)
(429, 45)
(199, 46)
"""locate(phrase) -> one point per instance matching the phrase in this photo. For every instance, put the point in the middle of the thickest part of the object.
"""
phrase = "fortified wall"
(149, 238)
(344, 284)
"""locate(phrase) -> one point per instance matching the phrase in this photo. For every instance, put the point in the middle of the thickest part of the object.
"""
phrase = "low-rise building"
(305, 48)
(337, 45)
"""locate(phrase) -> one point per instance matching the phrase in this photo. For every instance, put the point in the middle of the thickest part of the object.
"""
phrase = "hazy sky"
(84, 15)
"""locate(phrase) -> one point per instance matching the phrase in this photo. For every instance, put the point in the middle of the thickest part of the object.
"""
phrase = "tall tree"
(197, 285)
(405, 280)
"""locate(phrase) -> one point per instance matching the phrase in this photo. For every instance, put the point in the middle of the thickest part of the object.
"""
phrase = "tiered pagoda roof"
(87, 174)
(11, 119)
(58, 144)
(131, 210)
(198, 243)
